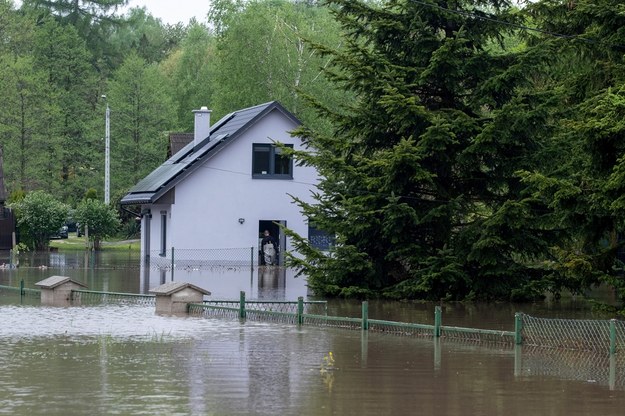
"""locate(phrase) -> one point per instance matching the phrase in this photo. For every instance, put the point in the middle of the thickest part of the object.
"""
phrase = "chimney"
(202, 125)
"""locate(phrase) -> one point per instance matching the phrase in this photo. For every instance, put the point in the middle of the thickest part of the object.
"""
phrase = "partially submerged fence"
(602, 336)
(574, 334)
(21, 291)
(92, 297)
(179, 259)
(202, 259)
(305, 316)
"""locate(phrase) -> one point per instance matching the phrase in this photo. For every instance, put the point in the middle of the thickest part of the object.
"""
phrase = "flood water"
(125, 360)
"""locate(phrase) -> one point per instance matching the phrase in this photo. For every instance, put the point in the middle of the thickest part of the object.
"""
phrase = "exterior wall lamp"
(241, 220)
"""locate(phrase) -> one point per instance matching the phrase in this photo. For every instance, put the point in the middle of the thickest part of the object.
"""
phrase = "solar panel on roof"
(227, 126)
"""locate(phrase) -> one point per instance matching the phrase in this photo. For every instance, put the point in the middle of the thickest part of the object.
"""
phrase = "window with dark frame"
(163, 233)
(320, 239)
(269, 161)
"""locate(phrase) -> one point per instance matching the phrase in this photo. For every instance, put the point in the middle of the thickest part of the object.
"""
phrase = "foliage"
(100, 219)
(192, 74)
(146, 36)
(418, 175)
(581, 186)
(71, 153)
(462, 157)
(93, 20)
(263, 55)
(39, 215)
(141, 113)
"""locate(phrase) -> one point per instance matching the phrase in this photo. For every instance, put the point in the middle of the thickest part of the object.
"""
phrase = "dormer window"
(269, 162)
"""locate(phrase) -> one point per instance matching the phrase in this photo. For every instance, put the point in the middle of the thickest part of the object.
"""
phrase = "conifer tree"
(582, 187)
(418, 177)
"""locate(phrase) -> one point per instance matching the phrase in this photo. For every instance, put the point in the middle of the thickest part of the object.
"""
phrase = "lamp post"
(107, 154)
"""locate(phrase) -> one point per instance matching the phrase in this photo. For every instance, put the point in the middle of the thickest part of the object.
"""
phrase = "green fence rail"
(574, 334)
(20, 291)
(602, 336)
(258, 310)
(92, 297)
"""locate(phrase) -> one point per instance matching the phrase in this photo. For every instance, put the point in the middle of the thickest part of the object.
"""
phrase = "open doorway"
(273, 226)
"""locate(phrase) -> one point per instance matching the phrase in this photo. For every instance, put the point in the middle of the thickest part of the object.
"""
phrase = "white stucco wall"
(209, 203)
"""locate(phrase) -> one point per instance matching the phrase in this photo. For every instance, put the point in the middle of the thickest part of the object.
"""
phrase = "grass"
(79, 243)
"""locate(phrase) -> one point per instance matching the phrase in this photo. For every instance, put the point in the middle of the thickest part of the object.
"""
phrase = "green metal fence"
(92, 297)
(574, 334)
(602, 336)
(259, 310)
(20, 291)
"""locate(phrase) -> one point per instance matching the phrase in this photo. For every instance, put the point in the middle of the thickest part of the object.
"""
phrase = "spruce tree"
(418, 176)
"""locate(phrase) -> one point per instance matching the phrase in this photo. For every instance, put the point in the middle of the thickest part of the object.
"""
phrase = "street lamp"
(107, 154)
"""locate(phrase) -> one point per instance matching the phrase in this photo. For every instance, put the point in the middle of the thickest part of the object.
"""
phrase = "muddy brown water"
(125, 360)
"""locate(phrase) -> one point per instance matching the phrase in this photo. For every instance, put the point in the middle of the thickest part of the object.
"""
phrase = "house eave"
(137, 199)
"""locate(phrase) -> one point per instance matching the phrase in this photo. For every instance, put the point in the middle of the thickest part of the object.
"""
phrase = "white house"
(227, 186)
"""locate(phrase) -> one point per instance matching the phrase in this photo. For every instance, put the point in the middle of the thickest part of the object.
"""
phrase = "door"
(273, 226)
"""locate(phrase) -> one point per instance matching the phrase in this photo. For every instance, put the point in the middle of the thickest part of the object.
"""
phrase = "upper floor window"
(268, 161)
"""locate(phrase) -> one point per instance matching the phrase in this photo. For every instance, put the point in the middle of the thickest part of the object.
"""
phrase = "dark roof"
(183, 162)
(177, 141)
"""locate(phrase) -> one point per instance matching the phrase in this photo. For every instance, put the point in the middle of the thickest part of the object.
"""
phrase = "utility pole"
(107, 155)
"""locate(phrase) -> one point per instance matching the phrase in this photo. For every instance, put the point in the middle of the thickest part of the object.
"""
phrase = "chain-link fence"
(574, 334)
(90, 297)
(601, 336)
(21, 294)
(202, 259)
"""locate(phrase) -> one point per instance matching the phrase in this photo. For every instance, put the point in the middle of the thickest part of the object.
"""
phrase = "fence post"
(365, 315)
(21, 290)
(252, 257)
(242, 305)
(437, 321)
(612, 336)
(172, 263)
(300, 310)
(518, 327)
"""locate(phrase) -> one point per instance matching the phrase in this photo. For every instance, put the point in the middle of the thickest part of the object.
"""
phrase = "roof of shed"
(181, 163)
(54, 281)
(173, 287)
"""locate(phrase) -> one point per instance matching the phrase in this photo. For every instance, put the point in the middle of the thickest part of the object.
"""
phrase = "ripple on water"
(117, 321)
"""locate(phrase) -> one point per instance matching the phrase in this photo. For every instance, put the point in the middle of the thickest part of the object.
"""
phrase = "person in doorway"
(269, 248)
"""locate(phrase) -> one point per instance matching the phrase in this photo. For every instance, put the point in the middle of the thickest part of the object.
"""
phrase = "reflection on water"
(604, 369)
(123, 272)
(127, 360)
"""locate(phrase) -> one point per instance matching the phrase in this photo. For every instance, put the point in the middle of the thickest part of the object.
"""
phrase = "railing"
(598, 336)
(21, 294)
(574, 334)
(172, 259)
(92, 297)
(202, 259)
(284, 312)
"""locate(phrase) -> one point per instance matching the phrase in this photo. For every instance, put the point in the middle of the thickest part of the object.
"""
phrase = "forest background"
(469, 149)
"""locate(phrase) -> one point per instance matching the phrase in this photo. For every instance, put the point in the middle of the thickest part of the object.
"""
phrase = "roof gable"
(186, 160)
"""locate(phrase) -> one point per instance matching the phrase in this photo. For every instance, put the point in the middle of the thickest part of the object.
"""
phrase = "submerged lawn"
(79, 243)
